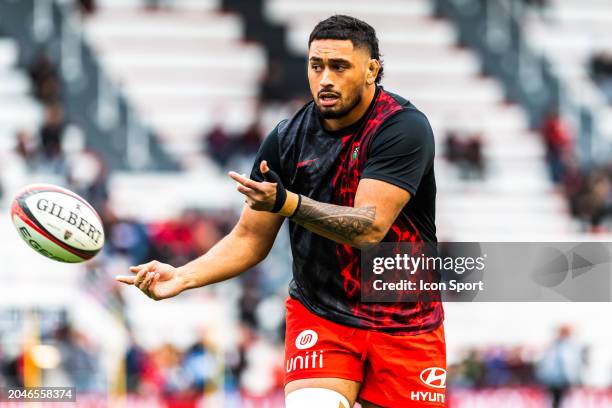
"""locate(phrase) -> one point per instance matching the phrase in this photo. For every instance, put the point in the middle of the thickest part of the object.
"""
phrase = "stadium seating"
(184, 68)
(570, 32)
(19, 111)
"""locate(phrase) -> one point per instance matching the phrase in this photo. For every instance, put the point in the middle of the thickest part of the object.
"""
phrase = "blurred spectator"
(493, 367)
(3, 382)
(597, 204)
(88, 176)
(251, 296)
(537, 3)
(164, 361)
(453, 147)
(51, 133)
(474, 162)
(601, 71)
(496, 371)
(558, 141)
(561, 366)
(26, 147)
(172, 241)
(264, 369)
(472, 370)
(135, 365)
(12, 369)
(78, 359)
(225, 149)
(465, 151)
(574, 185)
(157, 4)
(87, 7)
(249, 141)
(218, 145)
(520, 368)
(129, 238)
(235, 359)
(45, 79)
(200, 367)
(589, 194)
(205, 232)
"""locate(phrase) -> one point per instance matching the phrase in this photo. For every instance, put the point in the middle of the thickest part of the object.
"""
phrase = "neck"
(354, 115)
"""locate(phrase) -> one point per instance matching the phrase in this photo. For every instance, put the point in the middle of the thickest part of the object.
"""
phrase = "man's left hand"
(260, 196)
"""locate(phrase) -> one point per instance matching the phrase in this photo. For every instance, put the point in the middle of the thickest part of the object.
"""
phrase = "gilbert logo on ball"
(57, 223)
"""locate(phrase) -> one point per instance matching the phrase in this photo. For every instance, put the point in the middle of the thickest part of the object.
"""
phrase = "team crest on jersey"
(355, 153)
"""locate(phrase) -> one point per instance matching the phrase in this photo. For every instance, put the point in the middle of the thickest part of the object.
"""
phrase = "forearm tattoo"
(344, 223)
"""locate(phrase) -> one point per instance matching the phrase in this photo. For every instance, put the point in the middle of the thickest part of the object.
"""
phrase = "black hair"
(341, 27)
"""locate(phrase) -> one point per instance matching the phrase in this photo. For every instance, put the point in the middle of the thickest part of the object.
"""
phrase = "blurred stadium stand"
(19, 109)
(188, 71)
(89, 99)
(570, 33)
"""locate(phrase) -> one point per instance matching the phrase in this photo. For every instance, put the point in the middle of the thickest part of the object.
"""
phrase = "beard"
(337, 112)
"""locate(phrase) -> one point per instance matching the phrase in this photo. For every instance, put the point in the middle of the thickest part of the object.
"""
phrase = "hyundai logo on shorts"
(434, 377)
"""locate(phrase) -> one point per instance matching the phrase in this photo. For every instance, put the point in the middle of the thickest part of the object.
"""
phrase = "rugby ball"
(57, 223)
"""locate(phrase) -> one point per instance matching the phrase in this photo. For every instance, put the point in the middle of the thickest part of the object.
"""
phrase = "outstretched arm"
(248, 244)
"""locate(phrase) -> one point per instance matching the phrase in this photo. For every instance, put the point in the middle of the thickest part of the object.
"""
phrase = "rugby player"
(351, 169)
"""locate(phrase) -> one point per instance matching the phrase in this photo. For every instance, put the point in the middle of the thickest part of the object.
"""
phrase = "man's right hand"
(155, 279)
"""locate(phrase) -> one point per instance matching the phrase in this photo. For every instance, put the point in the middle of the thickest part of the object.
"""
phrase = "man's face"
(337, 73)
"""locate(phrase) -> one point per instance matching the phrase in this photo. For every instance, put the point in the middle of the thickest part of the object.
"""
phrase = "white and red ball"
(57, 223)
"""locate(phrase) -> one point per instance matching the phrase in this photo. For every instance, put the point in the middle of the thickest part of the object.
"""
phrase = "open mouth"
(328, 99)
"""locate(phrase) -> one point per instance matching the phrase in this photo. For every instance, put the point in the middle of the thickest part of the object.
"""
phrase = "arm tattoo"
(343, 223)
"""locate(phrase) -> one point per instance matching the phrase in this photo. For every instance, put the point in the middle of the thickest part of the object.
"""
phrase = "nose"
(326, 79)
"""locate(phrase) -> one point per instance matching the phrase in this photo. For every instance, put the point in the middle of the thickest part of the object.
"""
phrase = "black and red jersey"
(392, 142)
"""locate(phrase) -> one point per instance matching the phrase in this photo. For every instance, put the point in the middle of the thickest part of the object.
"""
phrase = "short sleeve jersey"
(393, 142)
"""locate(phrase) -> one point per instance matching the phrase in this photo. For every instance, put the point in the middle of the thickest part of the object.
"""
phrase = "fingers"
(138, 268)
(247, 182)
(145, 279)
(141, 275)
(263, 166)
(144, 286)
(245, 190)
(148, 284)
(129, 280)
(151, 288)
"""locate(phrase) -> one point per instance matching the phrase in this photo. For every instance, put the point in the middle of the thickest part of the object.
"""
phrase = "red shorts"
(394, 370)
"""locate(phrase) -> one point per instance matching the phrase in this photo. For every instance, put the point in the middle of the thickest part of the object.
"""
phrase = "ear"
(372, 73)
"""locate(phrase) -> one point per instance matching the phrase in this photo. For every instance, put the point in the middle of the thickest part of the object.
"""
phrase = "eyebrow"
(332, 60)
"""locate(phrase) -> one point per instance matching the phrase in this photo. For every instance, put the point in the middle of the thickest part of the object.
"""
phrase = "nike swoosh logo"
(305, 162)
